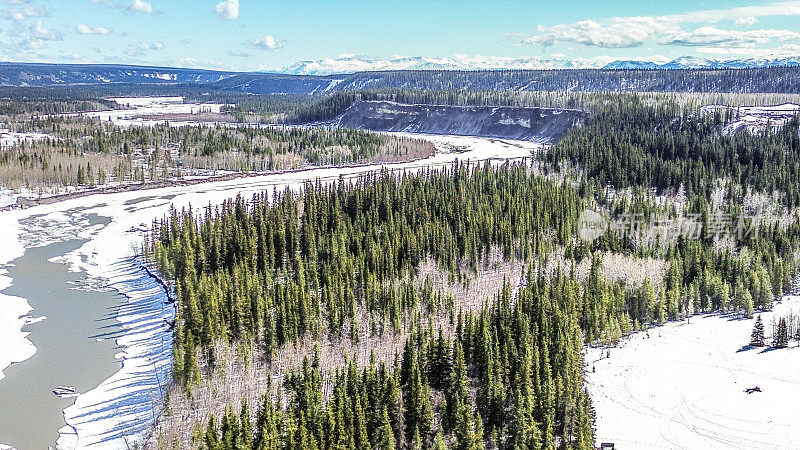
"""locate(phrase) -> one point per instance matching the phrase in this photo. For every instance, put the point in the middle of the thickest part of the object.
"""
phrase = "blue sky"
(270, 34)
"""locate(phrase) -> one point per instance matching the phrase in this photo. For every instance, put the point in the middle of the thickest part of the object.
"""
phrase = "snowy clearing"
(151, 106)
(10, 138)
(755, 119)
(682, 386)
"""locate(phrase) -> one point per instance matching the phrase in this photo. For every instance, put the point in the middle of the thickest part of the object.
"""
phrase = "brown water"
(74, 347)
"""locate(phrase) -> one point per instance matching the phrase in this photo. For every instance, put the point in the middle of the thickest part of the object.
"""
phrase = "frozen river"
(67, 354)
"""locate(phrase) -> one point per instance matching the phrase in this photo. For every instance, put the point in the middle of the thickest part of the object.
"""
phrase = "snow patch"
(14, 344)
(151, 106)
(755, 119)
(683, 386)
(521, 122)
(10, 138)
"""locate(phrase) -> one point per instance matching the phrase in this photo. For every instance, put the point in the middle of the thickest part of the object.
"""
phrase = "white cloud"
(713, 36)
(783, 51)
(141, 6)
(623, 32)
(266, 43)
(143, 47)
(229, 9)
(747, 21)
(25, 13)
(619, 33)
(105, 2)
(85, 29)
(39, 32)
(786, 8)
(201, 64)
(31, 44)
(239, 53)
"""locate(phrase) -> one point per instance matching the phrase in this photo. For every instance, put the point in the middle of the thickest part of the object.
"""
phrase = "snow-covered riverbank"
(124, 404)
(14, 347)
(682, 386)
(120, 410)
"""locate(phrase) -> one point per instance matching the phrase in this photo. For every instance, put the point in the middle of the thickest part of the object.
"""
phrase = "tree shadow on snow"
(764, 349)
(736, 317)
(768, 349)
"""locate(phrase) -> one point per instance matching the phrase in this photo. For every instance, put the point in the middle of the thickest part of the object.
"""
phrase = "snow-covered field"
(10, 138)
(682, 386)
(147, 106)
(755, 119)
(123, 406)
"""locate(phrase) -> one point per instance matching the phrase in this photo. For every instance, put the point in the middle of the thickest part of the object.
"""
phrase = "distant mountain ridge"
(29, 74)
(690, 62)
(680, 75)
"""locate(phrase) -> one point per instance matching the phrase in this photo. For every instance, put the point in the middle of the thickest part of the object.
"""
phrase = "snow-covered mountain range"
(352, 63)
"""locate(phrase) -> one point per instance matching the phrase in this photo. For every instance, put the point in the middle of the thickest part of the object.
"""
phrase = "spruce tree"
(468, 430)
(212, 436)
(757, 336)
(245, 436)
(743, 300)
(438, 442)
(230, 429)
(781, 339)
(385, 433)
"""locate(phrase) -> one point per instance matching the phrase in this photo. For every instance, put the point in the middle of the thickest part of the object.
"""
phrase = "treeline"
(632, 143)
(774, 79)
(334, 105)
(281, 266)
(310, 143)
(13, 109)
(149, 153)
(47, 169)
(745, 276)
(258, 108)
(742, 256)
(763, 80)
(329, 107)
